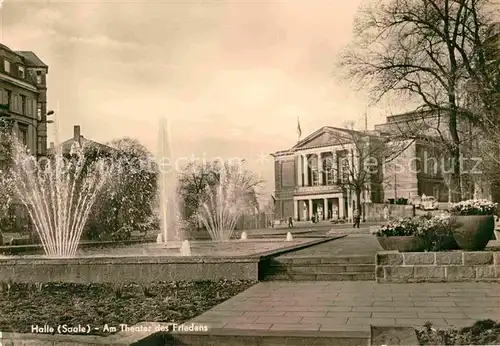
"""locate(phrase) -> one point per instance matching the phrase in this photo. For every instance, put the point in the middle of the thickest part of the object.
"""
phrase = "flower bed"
(433, 233)
(485, 332)
(55, 304)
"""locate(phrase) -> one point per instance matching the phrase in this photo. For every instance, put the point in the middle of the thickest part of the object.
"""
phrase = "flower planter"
(473, 232)
(401, 243)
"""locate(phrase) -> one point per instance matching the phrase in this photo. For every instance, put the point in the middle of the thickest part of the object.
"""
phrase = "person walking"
(357, 219)
(290, 222)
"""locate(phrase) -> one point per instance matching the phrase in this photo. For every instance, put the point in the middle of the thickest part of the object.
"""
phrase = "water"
(225, 204)
(186, 248)
(58, 194)
(289, 236)
(167, 180)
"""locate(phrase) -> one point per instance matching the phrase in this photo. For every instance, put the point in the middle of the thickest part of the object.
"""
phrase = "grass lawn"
(22, 306)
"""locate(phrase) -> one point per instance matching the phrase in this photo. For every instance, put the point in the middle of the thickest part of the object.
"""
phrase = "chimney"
(76, 133)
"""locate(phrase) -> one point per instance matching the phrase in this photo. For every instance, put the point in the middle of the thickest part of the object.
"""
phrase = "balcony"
(317, 189)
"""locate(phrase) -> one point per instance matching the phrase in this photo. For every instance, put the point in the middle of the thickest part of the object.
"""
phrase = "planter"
(473, 232)
(497, 234)
(402, 243)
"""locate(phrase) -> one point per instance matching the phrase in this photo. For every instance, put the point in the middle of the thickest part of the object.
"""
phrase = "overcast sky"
(232, 77)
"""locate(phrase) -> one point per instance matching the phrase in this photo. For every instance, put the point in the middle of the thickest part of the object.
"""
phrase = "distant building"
(82, 141)
(305, 185)
(23, 97)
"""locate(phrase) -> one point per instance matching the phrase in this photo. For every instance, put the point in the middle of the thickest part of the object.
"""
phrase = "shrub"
(435, 231)
(474, 207)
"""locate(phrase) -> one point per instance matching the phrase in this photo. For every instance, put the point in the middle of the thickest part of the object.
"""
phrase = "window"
(315, 177)
(38, 77)
(39, 111)
(23, 134)
(9, 99)
(23, 105)
(6, 66)
(20, 72)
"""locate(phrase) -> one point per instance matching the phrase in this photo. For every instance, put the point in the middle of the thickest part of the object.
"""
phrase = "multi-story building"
(310, 177)
(23, 97)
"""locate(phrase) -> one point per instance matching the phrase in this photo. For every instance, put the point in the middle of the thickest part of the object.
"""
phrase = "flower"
(474, 207)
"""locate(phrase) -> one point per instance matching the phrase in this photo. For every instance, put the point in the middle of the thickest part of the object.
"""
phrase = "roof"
(315, 135)
(66, 145)
(31, 59)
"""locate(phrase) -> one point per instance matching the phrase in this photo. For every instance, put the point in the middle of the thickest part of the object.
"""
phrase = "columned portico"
(325, 206)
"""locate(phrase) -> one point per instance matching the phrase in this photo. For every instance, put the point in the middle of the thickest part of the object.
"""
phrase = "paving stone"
(279, 319)
(295, 326)
(434, 303)
(349, 314)
(418, 258)
(373, 308)
(264, 313)
(324, 320)
(449, 258)
(392, 304)
(249, 326)
(306, 313)
(445, 315)
(415, 308)
(372, 321)
(478, 258)
(394, 315)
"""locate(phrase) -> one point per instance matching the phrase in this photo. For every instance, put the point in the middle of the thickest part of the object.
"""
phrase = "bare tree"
(426, 51)
(360, 166)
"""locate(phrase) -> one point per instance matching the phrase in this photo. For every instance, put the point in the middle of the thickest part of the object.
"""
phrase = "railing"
(318, 189)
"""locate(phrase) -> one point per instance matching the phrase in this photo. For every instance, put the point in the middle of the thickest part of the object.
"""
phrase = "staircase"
(323, 268)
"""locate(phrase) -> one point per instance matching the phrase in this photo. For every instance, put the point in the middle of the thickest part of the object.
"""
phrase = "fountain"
(58, 194)
(244, 235)
(224, 205)
(169, 216)
(289, 236)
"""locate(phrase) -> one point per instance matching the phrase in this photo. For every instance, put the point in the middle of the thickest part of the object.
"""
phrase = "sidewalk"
(353, 306)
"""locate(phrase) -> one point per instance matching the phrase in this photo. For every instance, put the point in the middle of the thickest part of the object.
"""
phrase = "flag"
(299, 130)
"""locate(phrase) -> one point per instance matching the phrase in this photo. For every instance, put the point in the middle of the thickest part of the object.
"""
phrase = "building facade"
(310, 177)
(23, 97)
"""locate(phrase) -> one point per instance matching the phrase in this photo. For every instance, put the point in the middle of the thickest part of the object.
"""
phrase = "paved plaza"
(353, 306)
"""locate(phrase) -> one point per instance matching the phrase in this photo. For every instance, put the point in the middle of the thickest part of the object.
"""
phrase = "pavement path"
(353, 306)
(352, 245)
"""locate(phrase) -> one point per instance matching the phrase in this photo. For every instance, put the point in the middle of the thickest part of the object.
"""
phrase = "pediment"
(323, 137)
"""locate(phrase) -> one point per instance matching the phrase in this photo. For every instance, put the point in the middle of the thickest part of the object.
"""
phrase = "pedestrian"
(290, 222)
(357, 219)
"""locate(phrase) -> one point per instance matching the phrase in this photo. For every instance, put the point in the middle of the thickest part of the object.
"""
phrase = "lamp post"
(39, 122)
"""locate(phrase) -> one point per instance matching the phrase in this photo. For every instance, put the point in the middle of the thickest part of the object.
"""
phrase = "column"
(325, 208)
(296, 210)
(310, 209)
(306, 170)
(320, 170)
(299, 170)
(334, 165)
(304, 210)
(341, 207)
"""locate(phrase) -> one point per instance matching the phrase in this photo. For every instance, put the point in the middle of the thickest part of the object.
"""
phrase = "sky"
(231, 77)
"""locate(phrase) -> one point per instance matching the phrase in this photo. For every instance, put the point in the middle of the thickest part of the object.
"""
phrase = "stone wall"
(375, 211)
(400, 267)
(127, 269)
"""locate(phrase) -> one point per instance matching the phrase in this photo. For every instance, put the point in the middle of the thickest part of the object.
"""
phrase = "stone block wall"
(375, 211)
(455, 266)
(142, 270)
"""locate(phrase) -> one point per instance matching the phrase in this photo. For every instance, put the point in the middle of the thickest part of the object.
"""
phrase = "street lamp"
(40, 121)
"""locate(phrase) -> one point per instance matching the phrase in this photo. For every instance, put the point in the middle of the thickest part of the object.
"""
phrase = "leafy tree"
(197, 176)
(426, 51)
(127, 202)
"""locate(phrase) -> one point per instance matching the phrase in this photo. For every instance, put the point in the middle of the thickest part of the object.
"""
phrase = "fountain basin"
(234, 260)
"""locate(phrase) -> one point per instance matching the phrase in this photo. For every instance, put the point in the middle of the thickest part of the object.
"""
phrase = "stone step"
(353, 276)
(321, 269)
(306, 260)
